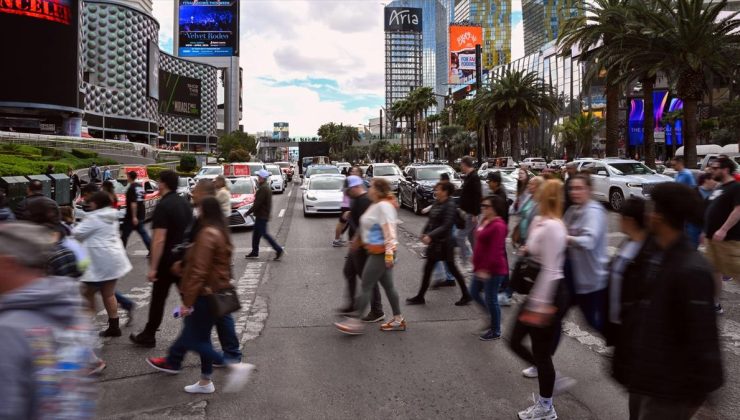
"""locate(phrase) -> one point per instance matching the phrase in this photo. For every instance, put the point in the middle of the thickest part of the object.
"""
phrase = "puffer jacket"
(207, 265)
(668, 344)
(99, 233)
(441, 219)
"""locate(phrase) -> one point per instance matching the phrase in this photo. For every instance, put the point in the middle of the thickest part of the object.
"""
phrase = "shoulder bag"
(524, 274)
(223, 302)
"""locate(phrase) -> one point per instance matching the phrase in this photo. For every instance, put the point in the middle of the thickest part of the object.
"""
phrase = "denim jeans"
(490, 288)
(260, 230)
(196, 336)
(127, 228)
(125, 302)
(227, 336)
(441, 270)
(467, 235)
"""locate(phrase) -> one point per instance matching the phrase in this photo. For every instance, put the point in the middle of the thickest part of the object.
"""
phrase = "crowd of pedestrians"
(655, 300)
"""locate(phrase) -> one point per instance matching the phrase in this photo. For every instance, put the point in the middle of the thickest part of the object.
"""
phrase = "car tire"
(616, 199)
(415, 205)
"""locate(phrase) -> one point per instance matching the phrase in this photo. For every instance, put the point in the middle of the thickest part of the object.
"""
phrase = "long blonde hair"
(550, 199)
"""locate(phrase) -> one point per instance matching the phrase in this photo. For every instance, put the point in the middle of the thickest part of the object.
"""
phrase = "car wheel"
(616, 199)
(415, 204)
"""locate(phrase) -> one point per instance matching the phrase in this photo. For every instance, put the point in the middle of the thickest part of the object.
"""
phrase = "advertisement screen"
(280, 131)
(208, 28)
(152, 78)
(36, 33)
(463, 40)
(403, 19)
(662, 104)
(179, 95)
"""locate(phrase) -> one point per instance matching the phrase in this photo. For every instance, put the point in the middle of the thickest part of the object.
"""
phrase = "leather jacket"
(208, 266)
(441, 219)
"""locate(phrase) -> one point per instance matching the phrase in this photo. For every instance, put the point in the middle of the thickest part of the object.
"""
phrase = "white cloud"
(516, 6)
(517, 41)
(164, 11)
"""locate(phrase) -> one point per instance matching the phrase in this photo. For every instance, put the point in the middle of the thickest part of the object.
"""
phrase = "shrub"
(51, 152)
(84, 154)
(187, 163)
(238, 155)
(155, 170)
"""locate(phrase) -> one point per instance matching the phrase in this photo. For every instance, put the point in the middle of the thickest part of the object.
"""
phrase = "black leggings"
(542, 339)
(441, 252)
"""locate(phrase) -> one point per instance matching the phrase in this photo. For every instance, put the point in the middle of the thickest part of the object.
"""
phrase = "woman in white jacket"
(99, 233)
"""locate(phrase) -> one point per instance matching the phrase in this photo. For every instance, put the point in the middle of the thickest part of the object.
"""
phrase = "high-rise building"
(436, 18)
(542, 20)
(143, 5)
(495, 18)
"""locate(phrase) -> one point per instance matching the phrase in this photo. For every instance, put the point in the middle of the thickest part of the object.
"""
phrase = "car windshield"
(255, 167)
(316, 171)
(537, 160)
(183, 182)
(210, 171)
(631, 168)
(326, 184)
(119, 187)
(432, 174)
(242, 186)
(275, 170)
(386, 171)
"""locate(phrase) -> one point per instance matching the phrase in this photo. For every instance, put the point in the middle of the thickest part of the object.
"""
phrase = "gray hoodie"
(588, 224)
(46, 343)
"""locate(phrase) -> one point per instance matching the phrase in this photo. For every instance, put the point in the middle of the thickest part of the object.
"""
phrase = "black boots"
(113, 329)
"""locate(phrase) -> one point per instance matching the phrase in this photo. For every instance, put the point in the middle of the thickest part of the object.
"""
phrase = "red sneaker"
(160, 363)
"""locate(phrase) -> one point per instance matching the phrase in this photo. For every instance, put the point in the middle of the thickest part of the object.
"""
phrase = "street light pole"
(478, 77)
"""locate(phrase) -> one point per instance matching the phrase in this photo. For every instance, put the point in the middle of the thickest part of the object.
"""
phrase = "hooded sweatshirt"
(587, 224)
(99, 233)
(47, 346)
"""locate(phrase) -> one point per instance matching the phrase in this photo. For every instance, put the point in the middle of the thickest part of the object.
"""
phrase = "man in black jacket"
(261, 209)
(34, 192)
(494, 185)
(470, 199)
(438, 238)
(667, 355)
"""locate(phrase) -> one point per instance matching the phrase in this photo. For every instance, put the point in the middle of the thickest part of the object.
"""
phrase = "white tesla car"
(277, 178)
(323, 194)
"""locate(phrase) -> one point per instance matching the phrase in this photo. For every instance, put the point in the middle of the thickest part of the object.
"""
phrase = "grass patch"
(19, 160)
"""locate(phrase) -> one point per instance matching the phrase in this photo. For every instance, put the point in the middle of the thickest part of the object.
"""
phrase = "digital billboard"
(280, 131)
(152, 73)
(463, 40)
(36, 33)
(208, 28)
(662, 104)
(403, 19)
(179, 95)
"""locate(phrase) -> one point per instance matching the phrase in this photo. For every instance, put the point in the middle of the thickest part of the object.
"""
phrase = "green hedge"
(21, 165)
(155, 170)
(84, 154)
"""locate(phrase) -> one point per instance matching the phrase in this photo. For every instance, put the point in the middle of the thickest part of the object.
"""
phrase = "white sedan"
(323, 194)
(277, 178)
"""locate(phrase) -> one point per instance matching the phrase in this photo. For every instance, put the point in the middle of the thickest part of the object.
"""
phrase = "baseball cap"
(354, 181)
(494, 176)
(262, 173)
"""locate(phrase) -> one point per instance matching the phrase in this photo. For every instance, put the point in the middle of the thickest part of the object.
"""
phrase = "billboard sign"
(463, 40)
(208, 28)
(403, 19)
(179, 95)
(152, 79)
(662, 132)
(36, 33)
(280, 131)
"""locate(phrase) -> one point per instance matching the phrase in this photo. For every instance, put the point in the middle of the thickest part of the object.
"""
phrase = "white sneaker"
(530, 372)
(239, 374)
(563, 384)
(197, 388)
(504, 300)
(538, 412)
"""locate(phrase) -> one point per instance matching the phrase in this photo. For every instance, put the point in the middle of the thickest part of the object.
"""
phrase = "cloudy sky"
(311, 61)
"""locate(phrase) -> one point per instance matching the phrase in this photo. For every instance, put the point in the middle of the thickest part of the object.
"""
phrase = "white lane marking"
(143, 253)
(139, 295)
(246, 288)
(729, 333)
(290, 193)
(597, 344)
(282, 213)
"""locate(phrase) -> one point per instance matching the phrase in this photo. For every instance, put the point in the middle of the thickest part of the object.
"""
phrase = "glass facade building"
(495, 18)
(542, 20)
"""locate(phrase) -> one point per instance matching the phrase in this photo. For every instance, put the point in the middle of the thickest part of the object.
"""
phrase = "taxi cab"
(243, 190)
(120, 186)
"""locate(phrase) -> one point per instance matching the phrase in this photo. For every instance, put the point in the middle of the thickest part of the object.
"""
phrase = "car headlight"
(310, 197)
(634, 185)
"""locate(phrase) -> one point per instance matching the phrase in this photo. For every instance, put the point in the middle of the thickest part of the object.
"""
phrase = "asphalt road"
(437, 369)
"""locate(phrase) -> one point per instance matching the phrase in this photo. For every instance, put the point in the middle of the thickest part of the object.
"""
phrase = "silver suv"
(614, 180)
(388, 171)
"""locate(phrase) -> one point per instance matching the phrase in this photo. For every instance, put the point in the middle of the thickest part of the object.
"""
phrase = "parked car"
(535, 163)
(388, 171)
(556, 163)
(496, 163)
(277, 179)
(323, 194)
(287, 169)
(209, 172)
(416, 190)
(614, 180)
(320, 170)
(243, 190)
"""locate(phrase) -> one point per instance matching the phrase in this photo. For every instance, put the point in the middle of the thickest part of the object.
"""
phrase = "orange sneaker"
(394, 325)
(351, 326)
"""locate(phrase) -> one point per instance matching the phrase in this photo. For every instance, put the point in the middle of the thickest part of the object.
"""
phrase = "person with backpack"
(94, 173)
(437, 236)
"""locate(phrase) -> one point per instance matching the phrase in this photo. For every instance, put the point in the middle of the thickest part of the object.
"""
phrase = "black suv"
(416, 191)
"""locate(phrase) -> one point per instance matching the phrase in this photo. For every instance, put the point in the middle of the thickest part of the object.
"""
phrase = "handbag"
(223, 302)
(524, 274)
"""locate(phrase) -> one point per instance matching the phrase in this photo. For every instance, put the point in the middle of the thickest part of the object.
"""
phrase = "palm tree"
(434, 121)
(521, 96)
(578, 132)
(421, 99)
(594, 31)
(702, 45)
(401, 110)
